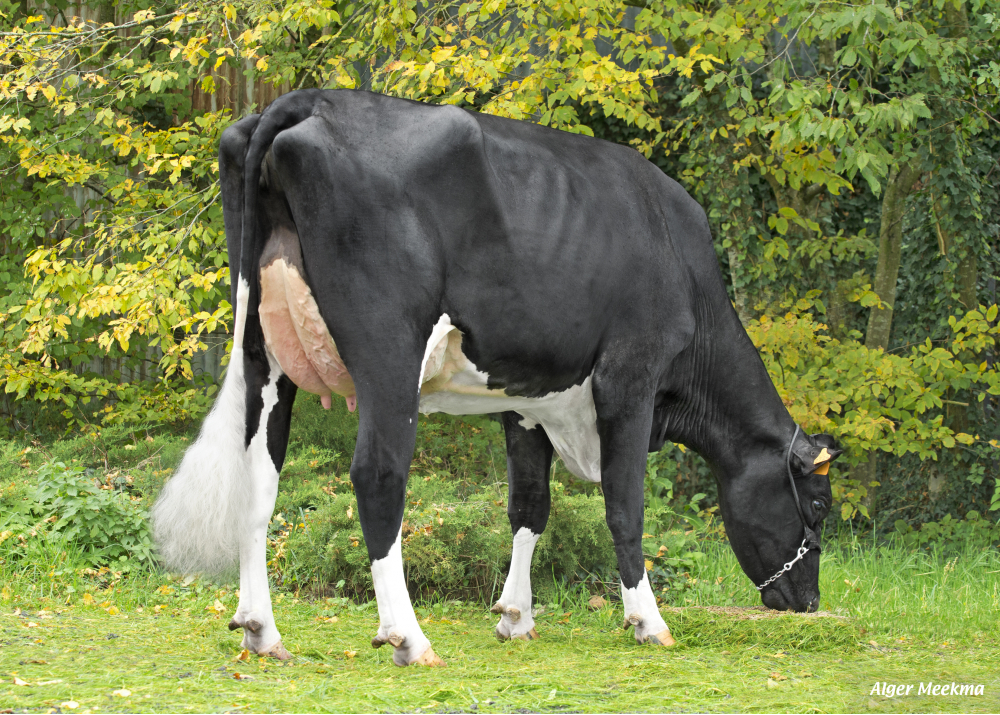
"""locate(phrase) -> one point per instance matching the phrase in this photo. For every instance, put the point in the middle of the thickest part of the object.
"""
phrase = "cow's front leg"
(386, 436)
(624, 418)
(529, 456)
(269, 400)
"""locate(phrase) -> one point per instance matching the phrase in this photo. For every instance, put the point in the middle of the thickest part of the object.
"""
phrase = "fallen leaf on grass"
(779, 676)
(112, 610)
(31, 624)
(597, 602)
(18, 681)
(49, 682)
(122, 693)
(69, 705)
(805, 674)
(216, 607)
(239, 676)
(244, 655)
(88, 599)
(350, 653)
(772, 683)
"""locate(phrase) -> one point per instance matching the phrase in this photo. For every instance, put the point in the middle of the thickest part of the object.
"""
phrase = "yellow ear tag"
(823, 456)
(822, 470)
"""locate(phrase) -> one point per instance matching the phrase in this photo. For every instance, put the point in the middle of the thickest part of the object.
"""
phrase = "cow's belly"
(298, 339)
(451, 383)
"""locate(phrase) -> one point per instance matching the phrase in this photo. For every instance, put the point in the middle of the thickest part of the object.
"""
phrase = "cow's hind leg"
(386, 437)
(529, 456)
(624, 417)
(270, 395)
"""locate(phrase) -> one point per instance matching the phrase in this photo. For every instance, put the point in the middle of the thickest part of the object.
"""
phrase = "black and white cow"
(419, 258)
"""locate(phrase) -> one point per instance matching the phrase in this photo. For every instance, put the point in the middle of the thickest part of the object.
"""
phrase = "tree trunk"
(957, 20)
(901, 180)
(735, 187)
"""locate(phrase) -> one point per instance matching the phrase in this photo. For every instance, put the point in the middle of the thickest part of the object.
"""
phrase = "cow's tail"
(200, 516)
(284, 113)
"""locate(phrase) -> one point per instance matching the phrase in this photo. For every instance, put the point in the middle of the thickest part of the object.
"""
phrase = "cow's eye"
(818, 505)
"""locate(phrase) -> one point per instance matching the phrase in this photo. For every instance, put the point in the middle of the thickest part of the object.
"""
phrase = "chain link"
(803, 550)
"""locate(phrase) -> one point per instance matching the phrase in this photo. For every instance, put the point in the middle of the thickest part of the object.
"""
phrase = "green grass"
(892, 625)
(77, 633)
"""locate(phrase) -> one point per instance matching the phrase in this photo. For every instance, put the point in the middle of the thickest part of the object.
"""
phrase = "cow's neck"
(726, 407)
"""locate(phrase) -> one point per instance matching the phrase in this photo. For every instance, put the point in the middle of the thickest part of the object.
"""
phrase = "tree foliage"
(843, 151)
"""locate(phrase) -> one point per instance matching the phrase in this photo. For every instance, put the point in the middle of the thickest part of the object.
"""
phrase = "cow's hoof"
(276, 651)
(662, 638)
(531, 635)
(430, 659)
(514, 624)
(402, 653)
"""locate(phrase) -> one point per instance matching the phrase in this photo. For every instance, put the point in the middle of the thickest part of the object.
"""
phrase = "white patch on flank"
(395, 612)
(434, 353)
(255, 593)
(451, 383)
(200, 515)
(641, 602)
(517, 587)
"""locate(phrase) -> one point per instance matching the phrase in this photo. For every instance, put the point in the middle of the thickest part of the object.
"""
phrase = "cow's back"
(540, 245)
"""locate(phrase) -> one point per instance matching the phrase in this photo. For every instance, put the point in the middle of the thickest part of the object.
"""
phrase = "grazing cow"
(415, 258)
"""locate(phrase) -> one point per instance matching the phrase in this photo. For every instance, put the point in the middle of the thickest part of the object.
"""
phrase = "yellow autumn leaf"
(122, 693)
(442, 53)
(649, 565)
(112, 610)
(18, 681)
(88, 599)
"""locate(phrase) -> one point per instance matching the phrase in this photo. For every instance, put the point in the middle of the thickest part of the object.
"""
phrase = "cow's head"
(766, 530)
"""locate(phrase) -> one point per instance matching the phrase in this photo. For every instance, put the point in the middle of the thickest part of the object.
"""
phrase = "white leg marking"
(397, 621)
(260, 634)
(642, 613)
(515, 601)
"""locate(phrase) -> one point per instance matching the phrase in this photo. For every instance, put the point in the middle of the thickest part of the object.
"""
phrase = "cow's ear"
(812, 454)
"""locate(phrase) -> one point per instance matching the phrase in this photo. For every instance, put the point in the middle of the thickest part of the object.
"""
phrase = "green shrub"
(105, 524)
(458, 545)
(577, 541)
(949, 534)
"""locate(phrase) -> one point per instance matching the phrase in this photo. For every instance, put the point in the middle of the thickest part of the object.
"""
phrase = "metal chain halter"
(811, 540)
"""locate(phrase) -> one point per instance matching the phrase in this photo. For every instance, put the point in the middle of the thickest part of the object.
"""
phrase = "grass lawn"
(166, 644)
(76, 638)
